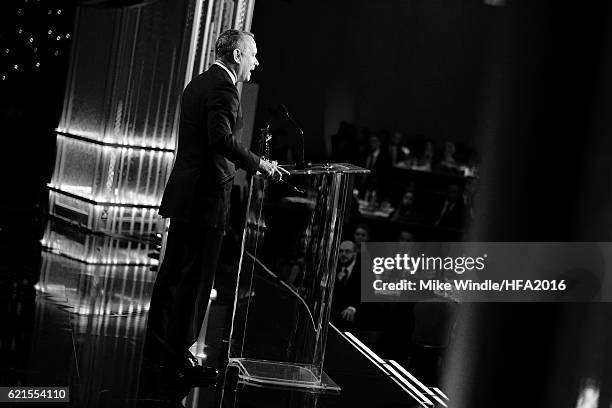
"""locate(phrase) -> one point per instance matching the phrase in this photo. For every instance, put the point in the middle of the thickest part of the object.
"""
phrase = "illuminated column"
(118, 130)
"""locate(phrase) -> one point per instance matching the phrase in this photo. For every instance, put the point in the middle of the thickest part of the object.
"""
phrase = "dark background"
(417, 66)
(31, 99)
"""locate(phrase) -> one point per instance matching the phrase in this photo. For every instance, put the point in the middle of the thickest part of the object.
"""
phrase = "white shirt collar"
(229, 72)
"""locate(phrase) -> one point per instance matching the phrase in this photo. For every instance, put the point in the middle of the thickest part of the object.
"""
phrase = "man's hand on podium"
(270, 169)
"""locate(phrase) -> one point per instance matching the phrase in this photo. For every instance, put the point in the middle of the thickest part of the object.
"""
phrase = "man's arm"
(221, 121)
(222, 107)
(353, 298)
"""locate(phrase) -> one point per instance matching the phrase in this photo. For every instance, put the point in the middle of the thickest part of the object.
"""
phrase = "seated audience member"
(471, 163)
(424, 155)
(448, 155)
(346, 299)
(448, 162)
(405, 236)
(361, 234)
(398, 152)
(405, 211)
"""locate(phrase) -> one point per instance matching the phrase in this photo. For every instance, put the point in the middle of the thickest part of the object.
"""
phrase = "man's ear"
(236, 55)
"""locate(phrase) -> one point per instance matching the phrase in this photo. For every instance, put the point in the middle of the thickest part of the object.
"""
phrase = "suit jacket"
(201, 180)
(347, 292)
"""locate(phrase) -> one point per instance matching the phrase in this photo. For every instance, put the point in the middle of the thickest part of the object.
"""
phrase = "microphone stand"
(301, 164)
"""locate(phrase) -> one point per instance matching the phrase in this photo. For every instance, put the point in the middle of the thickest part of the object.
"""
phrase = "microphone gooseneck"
(302, 164)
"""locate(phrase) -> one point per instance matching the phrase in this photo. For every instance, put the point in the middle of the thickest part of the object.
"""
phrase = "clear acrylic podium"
(286, 276)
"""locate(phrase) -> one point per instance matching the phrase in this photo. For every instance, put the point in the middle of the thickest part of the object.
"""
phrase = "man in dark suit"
(196, 200)
(347, 292)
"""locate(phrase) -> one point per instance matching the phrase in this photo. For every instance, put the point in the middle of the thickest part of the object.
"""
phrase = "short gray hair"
(228, 41)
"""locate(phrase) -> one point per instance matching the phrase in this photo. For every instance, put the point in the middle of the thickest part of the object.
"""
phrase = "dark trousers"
(182, 290)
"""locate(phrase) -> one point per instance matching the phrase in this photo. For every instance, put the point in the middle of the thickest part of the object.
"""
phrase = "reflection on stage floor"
(71, 323)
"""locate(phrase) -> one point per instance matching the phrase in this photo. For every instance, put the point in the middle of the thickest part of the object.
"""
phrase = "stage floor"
(67, 323)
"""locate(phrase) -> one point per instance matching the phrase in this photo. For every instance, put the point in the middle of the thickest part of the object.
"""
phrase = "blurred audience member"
(448, 155)
(398, 152)
(448, 163)
(405, 236)
(424, 155)
(405, 211)
(361, 234)
(378, 162)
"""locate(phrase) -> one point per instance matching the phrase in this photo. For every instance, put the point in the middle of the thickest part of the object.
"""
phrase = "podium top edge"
(321, 168)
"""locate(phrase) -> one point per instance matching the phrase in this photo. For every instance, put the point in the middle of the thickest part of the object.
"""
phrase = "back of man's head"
(228, 41)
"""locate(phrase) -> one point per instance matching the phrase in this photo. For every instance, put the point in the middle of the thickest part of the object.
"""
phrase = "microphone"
(302, 164)
(282, 109)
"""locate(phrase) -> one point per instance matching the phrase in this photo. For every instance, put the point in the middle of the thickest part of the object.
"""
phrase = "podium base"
(273, 373)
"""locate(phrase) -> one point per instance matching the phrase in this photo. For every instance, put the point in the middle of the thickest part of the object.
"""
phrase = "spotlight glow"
(588, 397)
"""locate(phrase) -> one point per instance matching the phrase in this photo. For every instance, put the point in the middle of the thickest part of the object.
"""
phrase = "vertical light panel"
(118, 129)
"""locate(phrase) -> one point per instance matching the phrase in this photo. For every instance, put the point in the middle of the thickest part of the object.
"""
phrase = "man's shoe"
(193, 373)
(198, 375)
